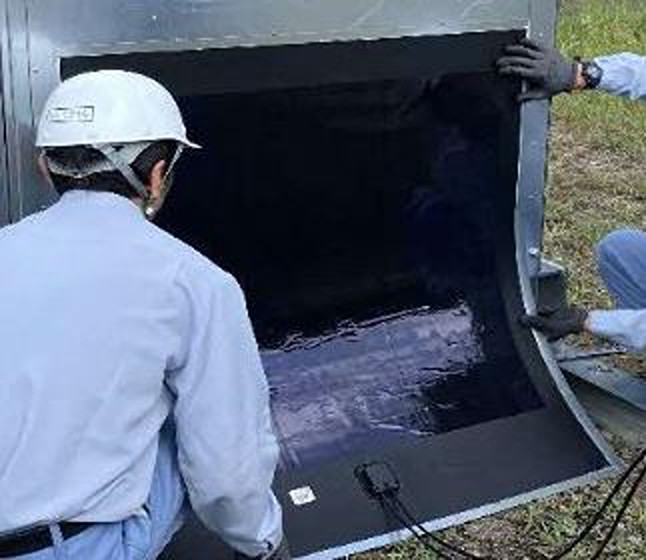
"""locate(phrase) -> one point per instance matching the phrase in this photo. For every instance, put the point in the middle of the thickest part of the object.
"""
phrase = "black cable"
(582, 535)
(626, 504)
(379, 481)
(388, 505)
(452, 547)
(390, 501)
(599, 513)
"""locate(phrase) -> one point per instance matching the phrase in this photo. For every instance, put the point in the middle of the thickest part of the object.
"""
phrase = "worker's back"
(109, 326)
(89, 327)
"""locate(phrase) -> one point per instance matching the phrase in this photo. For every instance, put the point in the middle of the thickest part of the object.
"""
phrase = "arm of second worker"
(226, 445)
(625, 327)
(623, 75)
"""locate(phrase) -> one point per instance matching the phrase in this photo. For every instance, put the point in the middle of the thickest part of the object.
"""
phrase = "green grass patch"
(597, 179)
(590, 28)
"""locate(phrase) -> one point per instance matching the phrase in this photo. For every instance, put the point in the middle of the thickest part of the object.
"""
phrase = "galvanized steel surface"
(75, 26)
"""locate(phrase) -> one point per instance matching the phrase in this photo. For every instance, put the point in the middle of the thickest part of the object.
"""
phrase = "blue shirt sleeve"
(623, 75)
(226, 445)
(626, 327)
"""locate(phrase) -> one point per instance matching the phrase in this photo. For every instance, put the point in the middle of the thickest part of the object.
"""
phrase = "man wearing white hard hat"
(132, 383)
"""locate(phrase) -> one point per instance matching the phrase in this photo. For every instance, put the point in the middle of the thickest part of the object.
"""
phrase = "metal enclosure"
(37, 35)
(42, 40)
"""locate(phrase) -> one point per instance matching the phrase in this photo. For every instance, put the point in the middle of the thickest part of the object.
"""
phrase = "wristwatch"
(592, 73)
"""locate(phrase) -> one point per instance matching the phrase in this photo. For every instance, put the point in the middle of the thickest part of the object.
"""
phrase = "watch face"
(593, 74)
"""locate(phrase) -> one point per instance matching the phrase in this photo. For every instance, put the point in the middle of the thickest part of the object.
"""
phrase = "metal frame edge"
(4, 85)
(395, 537)
(18, 110)
(530, 206)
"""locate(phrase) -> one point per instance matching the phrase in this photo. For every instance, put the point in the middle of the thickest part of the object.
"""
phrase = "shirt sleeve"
(623, 75)
(625, 327)
(226, 445)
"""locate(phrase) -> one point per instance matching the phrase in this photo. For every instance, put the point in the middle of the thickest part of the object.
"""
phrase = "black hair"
(107, 181)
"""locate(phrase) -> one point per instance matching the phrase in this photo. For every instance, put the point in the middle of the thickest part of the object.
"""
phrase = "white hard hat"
(110, 107)
(117, 113)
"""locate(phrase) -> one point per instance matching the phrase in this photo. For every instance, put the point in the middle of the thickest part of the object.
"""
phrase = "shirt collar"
(95, 199)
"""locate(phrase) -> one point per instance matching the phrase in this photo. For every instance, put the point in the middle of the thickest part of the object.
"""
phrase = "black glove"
(281, 553)
(558, 324)
(547, 70)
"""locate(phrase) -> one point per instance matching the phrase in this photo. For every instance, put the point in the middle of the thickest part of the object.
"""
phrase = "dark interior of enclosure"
(361, 220)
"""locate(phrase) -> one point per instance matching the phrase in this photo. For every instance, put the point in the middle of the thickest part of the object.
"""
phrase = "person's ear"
(156, 190)
(156, 181)
(43, 168)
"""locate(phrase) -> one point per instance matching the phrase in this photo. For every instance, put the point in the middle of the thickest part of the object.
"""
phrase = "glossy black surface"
(362, 221)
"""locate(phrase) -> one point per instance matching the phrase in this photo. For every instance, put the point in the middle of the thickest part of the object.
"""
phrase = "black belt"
(38, 538)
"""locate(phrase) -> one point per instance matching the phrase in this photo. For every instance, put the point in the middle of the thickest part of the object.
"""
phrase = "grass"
(590, 28)
(597, 180)
(597, 183)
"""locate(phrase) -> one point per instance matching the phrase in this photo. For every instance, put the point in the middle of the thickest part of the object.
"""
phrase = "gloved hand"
(558, 324)
(547, 70)
(281, 553)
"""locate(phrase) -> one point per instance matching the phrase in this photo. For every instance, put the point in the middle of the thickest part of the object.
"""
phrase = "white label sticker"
(302, 496)
(71, 114)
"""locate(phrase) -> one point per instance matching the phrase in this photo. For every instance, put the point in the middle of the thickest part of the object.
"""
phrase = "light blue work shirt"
(108, 326)
(623, 75)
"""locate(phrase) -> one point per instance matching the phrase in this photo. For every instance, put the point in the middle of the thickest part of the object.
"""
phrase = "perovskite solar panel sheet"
(370, 220)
